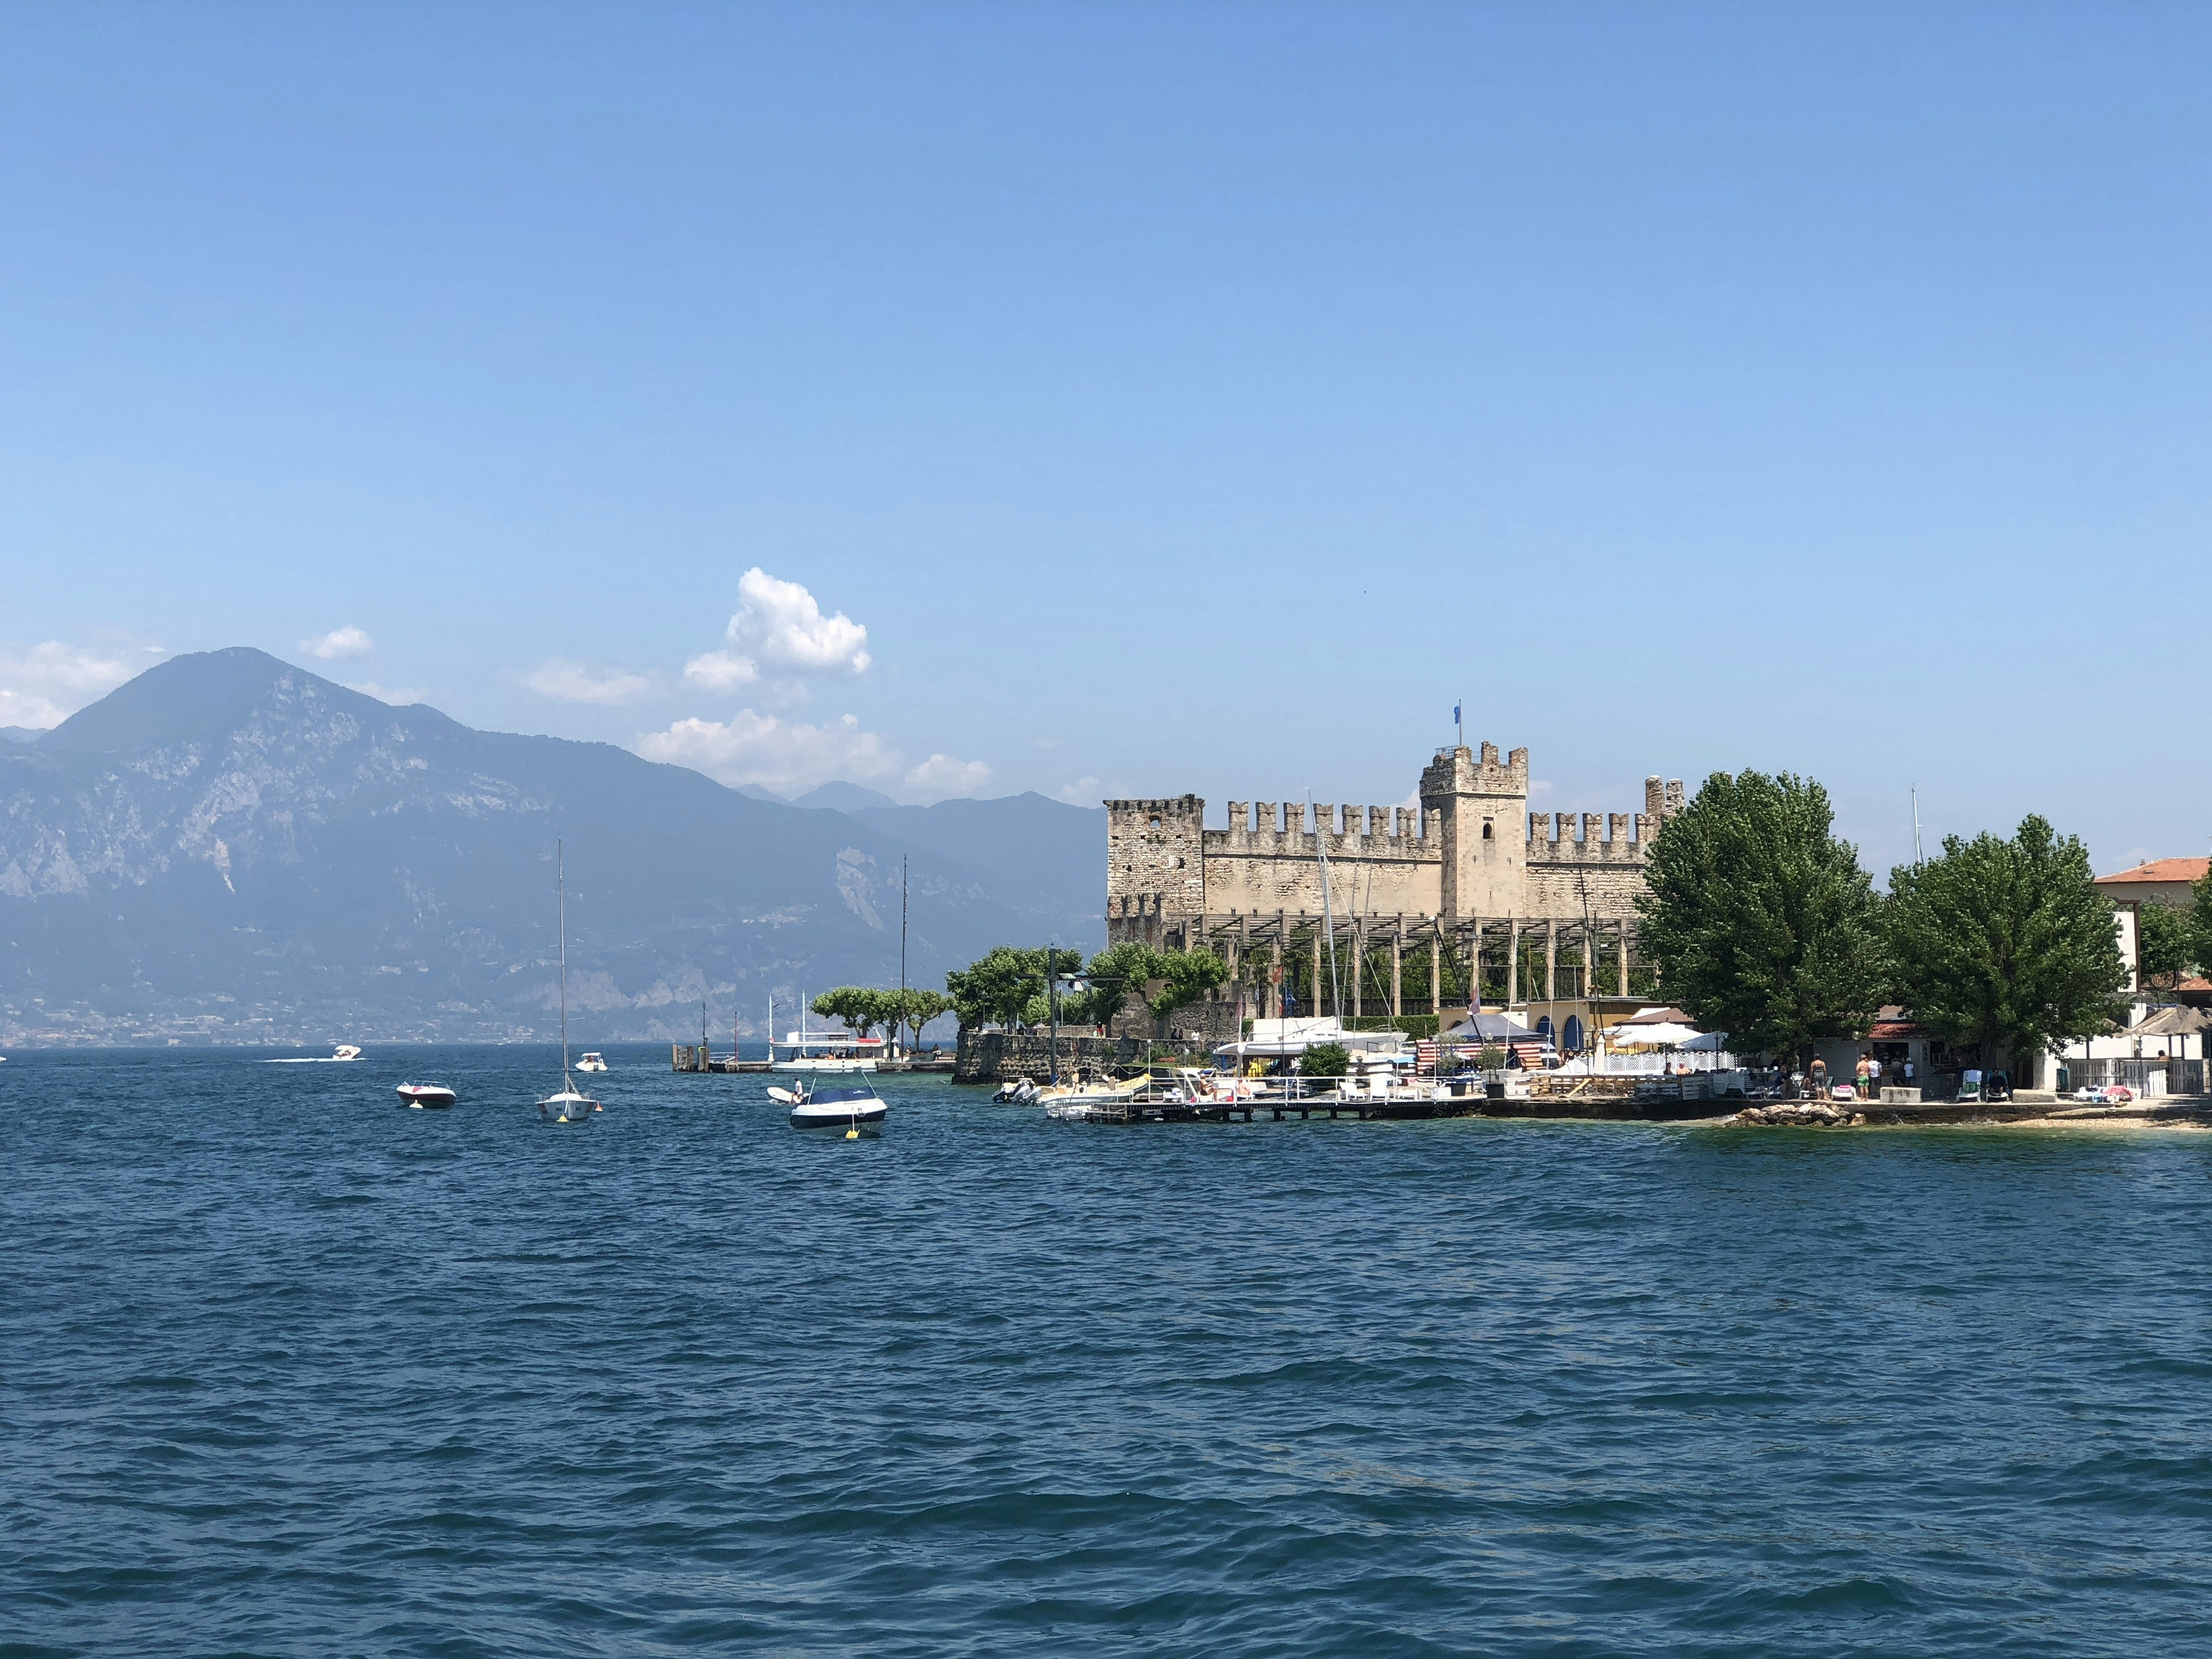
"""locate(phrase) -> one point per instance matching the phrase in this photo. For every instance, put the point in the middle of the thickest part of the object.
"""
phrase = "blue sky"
(1179, 398)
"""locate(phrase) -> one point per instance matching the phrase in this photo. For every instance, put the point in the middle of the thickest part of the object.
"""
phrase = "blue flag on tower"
(1455, 714)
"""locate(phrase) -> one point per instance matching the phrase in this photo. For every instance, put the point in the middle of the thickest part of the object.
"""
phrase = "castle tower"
(1485, 814)
(1155, 867)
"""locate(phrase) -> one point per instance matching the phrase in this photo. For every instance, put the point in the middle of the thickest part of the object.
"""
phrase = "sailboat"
(569, 1106)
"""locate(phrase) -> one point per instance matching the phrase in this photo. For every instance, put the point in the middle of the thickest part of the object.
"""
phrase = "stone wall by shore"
(1002, 1056)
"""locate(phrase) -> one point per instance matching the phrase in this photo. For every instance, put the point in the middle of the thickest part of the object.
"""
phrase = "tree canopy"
(2200, 922)
(2166, 943)
(1761, 922)
(1000, 985)
(1183, 976)
(861, 1009)
(2006, 943)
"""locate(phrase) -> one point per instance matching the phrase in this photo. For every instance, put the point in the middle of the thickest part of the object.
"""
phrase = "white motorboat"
(570, 1105)
(347, 1051)
(1022, 1091)
(593, 1061)
(426, 1096)
(1099, 1091)
(857, 1109)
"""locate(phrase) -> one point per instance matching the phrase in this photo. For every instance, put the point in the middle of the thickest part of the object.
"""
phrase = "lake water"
(287, 1370)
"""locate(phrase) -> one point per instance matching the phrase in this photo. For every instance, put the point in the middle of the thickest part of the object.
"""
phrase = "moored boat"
(593, 1061)
(569, 1106)
(856, 1109)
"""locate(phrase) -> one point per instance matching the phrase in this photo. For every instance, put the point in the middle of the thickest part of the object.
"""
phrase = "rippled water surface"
(287, 1370)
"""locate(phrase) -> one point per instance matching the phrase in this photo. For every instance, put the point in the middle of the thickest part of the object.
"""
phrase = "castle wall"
(1472, 850)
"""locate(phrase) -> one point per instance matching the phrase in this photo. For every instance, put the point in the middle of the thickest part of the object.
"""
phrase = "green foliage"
(1113, 974)
(917, 1007)
(1325, 1060)
(2006, 943)
(2165, 943)
(1490, 1058)
(1760, 922)
(1184, 976)
(1187, 977)
(861, 1009)
(1000, 985)
(2200, 921)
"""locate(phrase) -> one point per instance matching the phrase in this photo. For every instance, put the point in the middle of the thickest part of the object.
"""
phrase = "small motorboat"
(347, 1051)
(425, 1096)
(1022, 1091)
(593, 1061)
(855, 1109)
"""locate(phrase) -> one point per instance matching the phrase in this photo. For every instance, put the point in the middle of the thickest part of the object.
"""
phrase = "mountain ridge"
(231, 847)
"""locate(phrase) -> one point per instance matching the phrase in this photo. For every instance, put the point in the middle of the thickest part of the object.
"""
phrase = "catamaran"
(569, 1106)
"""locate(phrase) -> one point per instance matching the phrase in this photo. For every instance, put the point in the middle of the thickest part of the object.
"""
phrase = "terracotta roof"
(1894, 1030)
(2189, 870)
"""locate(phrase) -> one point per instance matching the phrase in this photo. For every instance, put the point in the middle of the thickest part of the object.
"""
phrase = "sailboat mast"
(561, 886)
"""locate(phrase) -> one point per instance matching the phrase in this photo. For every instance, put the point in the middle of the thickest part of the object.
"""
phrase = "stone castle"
(1471, 859)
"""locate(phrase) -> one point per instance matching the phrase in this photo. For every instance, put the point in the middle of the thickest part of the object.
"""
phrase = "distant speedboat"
(347, 1051)
(852, 1108)
(422, 1095)
(591, 1062)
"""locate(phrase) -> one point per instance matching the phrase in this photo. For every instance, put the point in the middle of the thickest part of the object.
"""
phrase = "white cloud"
(942, 775)
(781, 623)
(1084, 792)
(47, 683)
(573, 682)
(346, 641)
(398, 695)
(721, 671)
(759, 749)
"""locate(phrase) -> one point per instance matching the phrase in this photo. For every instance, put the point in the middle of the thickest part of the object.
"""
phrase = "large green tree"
(861, 1009)
(2200, 921)
(917, 1006)
(1001, 985)
(1183, 977)
(1113, 974)
(2006, 945)
(2165, 943)
(1761, 921)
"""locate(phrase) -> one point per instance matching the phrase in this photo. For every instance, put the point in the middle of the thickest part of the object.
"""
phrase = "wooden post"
(1624, 958)
(1512, 962)
(1474, 970)
(1358, 962)
(1275, 980)
(1397, 968)
(1551, 961)
(1436, 965)
(1314, 1007)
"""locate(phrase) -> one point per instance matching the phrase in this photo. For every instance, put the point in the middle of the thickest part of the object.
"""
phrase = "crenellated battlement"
(1589, 837)
(1470, 850)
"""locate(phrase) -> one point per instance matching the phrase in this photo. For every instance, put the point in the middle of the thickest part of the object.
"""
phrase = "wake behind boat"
(345, 1051)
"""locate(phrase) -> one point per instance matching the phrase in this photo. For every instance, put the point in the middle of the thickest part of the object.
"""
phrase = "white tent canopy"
(1664, 1035)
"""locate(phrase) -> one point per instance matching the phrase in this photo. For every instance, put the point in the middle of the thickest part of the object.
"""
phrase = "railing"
(2149, 1078)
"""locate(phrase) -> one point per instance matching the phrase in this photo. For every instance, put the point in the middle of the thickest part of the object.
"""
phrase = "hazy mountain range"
(231, 849)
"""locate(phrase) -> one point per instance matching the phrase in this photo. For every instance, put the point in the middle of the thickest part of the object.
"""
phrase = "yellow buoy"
(851, 1134)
